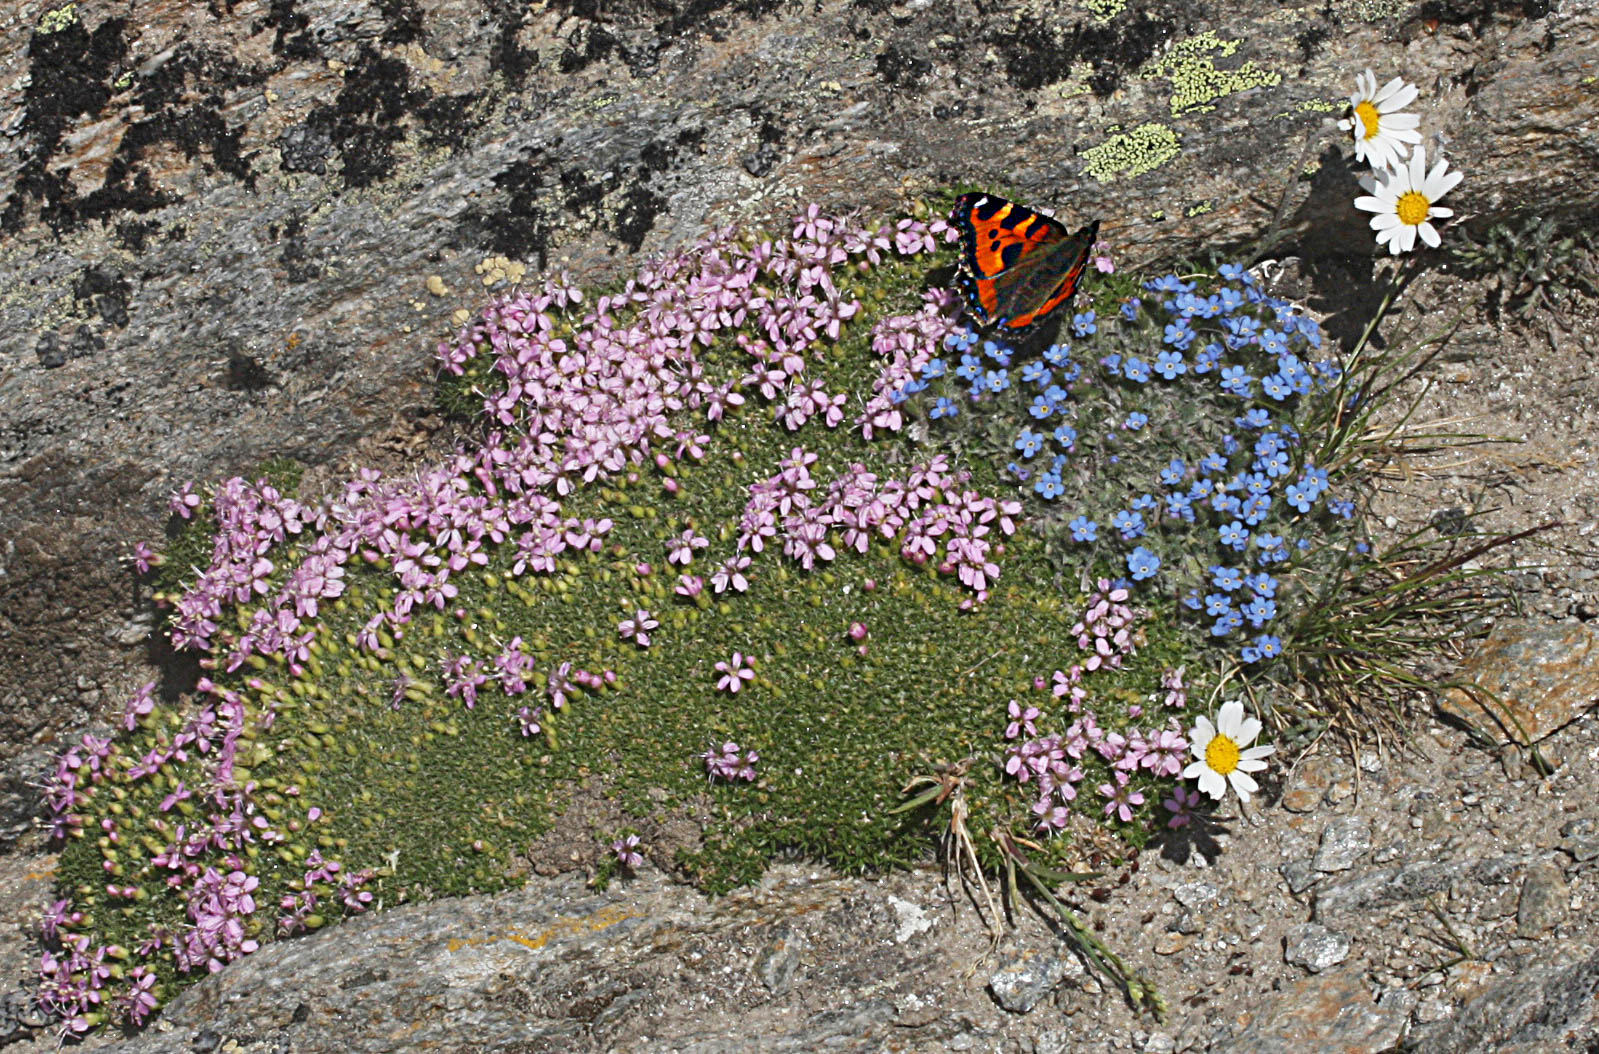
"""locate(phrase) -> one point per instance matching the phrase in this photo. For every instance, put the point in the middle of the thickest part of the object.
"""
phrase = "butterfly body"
(1017, 265)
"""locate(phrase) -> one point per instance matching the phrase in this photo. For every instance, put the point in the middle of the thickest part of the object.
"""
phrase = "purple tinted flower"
(626, 850)
(729, 763)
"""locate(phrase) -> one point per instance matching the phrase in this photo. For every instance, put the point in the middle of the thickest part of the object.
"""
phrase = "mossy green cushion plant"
(755, 540)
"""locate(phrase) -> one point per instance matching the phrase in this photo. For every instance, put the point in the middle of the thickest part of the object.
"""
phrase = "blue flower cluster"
(1233, 359)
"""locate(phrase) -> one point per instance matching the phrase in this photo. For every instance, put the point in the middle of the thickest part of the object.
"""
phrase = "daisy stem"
(1401, 277)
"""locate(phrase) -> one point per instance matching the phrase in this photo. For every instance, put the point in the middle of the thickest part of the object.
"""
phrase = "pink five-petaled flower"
(139, 1001)
(1164, 753)
(637, 629)
(731, 574)
(626, 850)
(1102, 258)
(1122, 797)
(139, 705)
(734, 673)
(683, 548)
(1021, 719)
(145, 558)
(184, 501)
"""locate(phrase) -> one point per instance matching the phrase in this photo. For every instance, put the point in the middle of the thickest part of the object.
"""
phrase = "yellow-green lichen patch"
(1104, 10)
(1196, 82)
(1130, 154)
(58, 19)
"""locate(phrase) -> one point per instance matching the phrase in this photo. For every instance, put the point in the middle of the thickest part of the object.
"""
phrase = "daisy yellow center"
(1413, 207)
(1368, 119)
(1221, 754)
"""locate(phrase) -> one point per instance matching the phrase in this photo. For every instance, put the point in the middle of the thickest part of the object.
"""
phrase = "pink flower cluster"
(589, 405)
(590, 394)
(220, 907)
(1104, 629)
(1053, 760)
(730, 763)
(322, 878)
(932, 517)
(908, 343)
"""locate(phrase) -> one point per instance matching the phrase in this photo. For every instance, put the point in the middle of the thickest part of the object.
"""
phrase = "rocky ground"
(1429, 892)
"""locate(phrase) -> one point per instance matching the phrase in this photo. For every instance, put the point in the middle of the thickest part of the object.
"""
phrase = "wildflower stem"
(1139, 991)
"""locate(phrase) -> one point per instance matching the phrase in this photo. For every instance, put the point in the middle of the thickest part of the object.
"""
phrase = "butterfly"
(1017, 265)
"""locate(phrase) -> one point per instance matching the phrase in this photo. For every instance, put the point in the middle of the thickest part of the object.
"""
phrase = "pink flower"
(734, 674)
(184, 501)
(1122, 798)
(728, 764)
(626, 850)
(683, 549)
(637, 628)
(1181, 804)
(731, 575)
(1022, 720)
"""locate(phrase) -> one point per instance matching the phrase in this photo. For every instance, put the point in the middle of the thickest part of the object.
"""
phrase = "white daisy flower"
(1224, 754)
(1381, 134)
(1403, 202)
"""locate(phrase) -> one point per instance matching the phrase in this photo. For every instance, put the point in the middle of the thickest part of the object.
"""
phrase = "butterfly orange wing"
(1018, 265)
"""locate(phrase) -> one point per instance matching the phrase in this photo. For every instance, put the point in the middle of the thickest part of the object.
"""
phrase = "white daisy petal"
(1439, 182)
(1212, 783)
(1406, 239)
(1387, 101)
(1231, 716)
(1417, 169)
(1248, 731)
(1384, 220)
(1389, 89)
(1370, 203)
(1243, 784)
(1254, 753)
(1439, 213)
(1251, 765)
(1429, 234)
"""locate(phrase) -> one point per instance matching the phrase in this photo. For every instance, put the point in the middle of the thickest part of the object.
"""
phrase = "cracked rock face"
(236, 232)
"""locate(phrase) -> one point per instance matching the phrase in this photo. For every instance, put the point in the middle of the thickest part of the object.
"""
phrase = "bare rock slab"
(1329, 1012)
(1542, 677)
